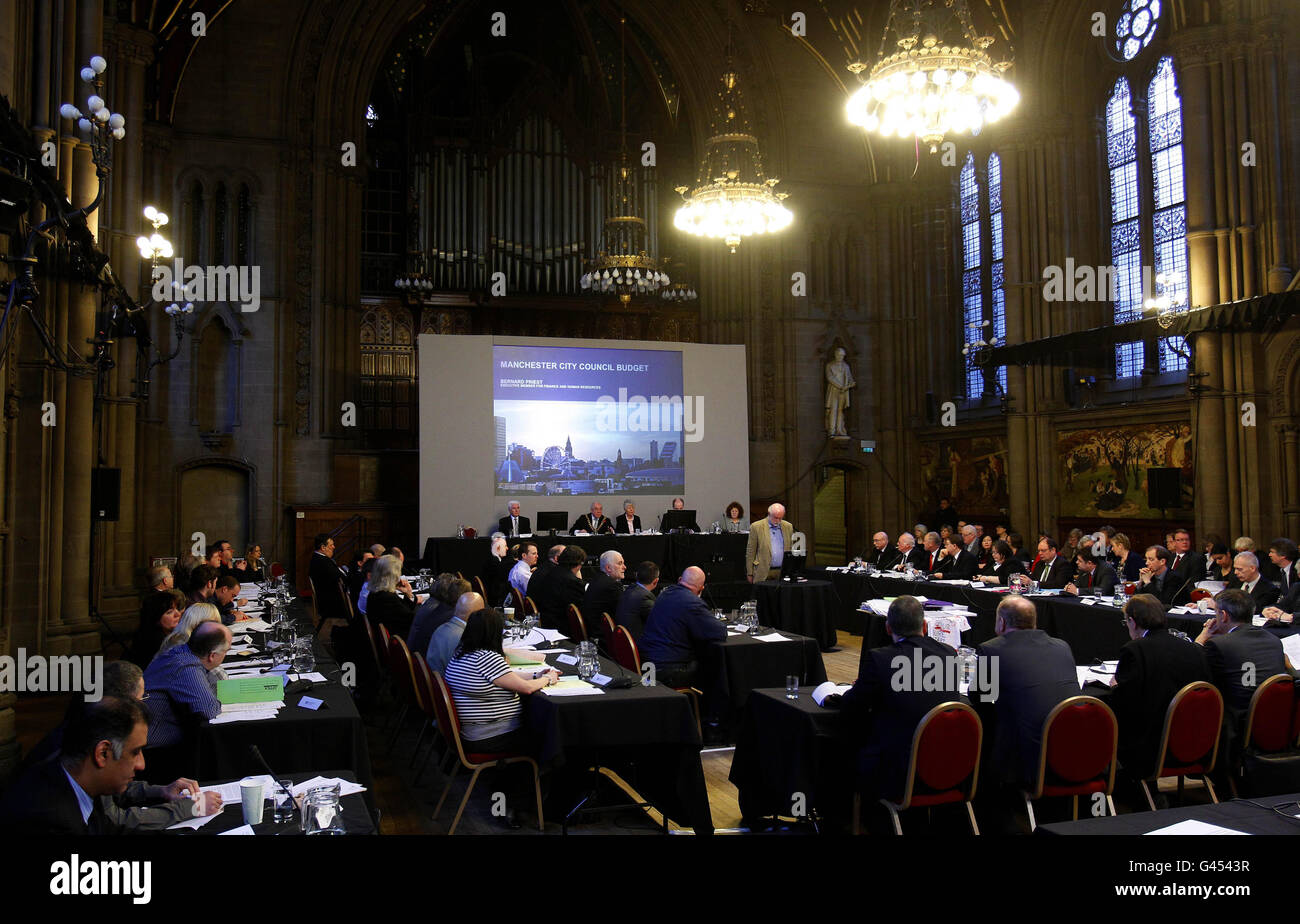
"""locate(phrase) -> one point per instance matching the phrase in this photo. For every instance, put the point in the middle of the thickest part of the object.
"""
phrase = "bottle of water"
(1119, 596)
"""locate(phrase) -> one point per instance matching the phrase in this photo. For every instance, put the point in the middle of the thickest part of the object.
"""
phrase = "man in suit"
(1152, 668)
(512, 524)
(102, 750)
(629, 522)
(637, 601)
(560, 586)
(603, 593)
(1158, 580)
(682, 640)
(1187, 563)
(881, 557)
(1240, 657)
(956, 564)
(1035, 673)
(594, 522)
(1263, 593)
(543, 567)
(1282, 555)
(1052, 570)
(931, 552)
(769, 543)
(325, 576)
(882, 709)
(909, 554)
(970, 539)
(1093, 577)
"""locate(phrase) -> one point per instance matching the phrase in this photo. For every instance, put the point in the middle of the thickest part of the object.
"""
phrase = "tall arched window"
(1148, 228)
(984, 304)
(997, 279)
(972, 295)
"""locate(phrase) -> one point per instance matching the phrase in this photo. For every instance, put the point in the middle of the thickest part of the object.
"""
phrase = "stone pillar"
(1290, 434)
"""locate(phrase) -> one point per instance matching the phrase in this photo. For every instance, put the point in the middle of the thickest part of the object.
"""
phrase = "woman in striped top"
(485, 688)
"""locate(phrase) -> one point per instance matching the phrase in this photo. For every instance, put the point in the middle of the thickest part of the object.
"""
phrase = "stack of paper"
(247, 712)
(572, 686)
(253, 625)
(345, 788)
(1103, 673)
(828, 688)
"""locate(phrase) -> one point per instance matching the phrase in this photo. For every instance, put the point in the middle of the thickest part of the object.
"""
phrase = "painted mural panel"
(971, 471)
(1103, 470)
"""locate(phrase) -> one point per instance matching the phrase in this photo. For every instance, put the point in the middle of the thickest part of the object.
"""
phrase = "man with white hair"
(881, 555)
(514, 525)
(970, 539)
(594, 522)
(603, 593)
(769, 543)
(909, 554)
(1262, 592)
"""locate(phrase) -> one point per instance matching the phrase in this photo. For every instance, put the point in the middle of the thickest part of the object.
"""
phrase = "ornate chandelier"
(732, 199)
(623, 265)
(940, 82)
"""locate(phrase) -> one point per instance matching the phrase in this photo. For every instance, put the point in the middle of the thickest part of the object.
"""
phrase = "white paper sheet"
(772, 637)
(1192, 826)
(1291, 648)
(242, 829)
(828, 688)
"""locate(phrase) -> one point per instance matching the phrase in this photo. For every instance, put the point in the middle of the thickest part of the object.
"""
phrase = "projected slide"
(573, 420)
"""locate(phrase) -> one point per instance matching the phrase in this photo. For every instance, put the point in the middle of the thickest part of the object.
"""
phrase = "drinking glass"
(321, 813)
(791, 686)
(304, 658)
(282, 804)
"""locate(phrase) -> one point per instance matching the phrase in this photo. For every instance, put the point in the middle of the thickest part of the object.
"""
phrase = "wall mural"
(1103, 470)
(971, 471)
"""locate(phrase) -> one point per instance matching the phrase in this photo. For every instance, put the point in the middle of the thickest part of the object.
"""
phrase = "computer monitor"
(677, 519)
(552, 521)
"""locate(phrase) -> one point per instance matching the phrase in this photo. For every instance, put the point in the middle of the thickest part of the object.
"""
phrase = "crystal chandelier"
(732, 199)
(938, 83)
(623, 265)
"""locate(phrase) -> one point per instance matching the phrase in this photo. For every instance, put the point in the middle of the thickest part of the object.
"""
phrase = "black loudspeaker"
(931, 409)
(1164, 488)
(1070, 383)
(105, 493)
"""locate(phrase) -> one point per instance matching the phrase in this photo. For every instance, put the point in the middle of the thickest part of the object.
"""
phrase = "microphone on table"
(257, 753)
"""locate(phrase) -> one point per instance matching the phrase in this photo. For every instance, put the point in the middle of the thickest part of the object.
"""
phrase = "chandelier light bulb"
(116, 120)
(84, 124)
(87, 74)
(69, 111)
(98, 64)
(95, 103)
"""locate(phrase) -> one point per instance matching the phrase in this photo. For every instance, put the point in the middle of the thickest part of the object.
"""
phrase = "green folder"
(251, 689)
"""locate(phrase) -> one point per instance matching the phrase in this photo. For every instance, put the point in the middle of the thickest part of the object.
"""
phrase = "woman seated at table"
(733, 520)
(390, 600)
(195, 614)
(160, 613)
(1004, 565)
(485, 688)
(986, 551)
(255, 570)
(1130, 562)
(1221, 568)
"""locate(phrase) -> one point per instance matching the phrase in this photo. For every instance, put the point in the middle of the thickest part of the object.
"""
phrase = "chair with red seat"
(1189, 743)
(943, 767)
(449, 728)
(403, 674)
(623, 650)
(577, 625)
(1269, 739)
(607, 624)
(422, 680)
(277, 570)
(1077, 755)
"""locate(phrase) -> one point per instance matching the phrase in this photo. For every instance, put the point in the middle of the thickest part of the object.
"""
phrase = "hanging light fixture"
(623, 265)
(732, 198)
(942, 80)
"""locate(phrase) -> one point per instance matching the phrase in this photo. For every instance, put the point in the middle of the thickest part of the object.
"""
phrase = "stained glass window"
(999, 296)
(1169, 223)
(1125, 237)
(1136, 27)
(971, 292)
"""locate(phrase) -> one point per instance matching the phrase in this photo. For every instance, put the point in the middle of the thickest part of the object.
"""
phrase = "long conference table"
(1093, 631)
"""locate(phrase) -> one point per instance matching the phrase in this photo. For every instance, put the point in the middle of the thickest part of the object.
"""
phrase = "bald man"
(769, 543)
(680, 632)
(445, 639)
(881, 555)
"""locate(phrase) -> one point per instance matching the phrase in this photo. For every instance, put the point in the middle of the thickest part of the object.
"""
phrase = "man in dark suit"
(909, 554)
(629, 522)
(637, 601)
(970, 540)
(603, 593)
(1159, 581)
(1263, 592)
(682, 640)
(1240, 657)
(1187, 563)
(594, 522)
(1052, 571)
(1282, 554)
(881, 556)
(560, 586)
(931, 552)
(325, 576)
(1152, 668)
(1093, 577)
(881, 714)
(102, 750)
(512, 524)
(1035, 673)
(956, 564)
(544, 566)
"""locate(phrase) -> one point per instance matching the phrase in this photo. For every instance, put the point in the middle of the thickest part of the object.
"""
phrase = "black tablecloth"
(1238, 815)
(647, 734)
(722, 556)
(790, 747)
(356, 815)
(854, 589)
(806, 608)
(749, 663)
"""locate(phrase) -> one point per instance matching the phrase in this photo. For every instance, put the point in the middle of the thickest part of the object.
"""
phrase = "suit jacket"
(917, 557)
(883, 719)
(620, 526)
(1100, 583)
(544, 567)
(1192, 566)
(1004, 571)
(586, 523)
(325, 577)
(42, 802)
(930, 561)
(525, 526)
(559, 588)
(679, 628)
(393, 610)
(1290, 601)
(1287, 580)
(882, 559)
(1227, 656)
(1173, 590)
(1061, 573)
(1035, 673)
(602, 596)
(960, 568)
(758, 551)
(1132, 566)
(634, 609)
(1264, 593)
(1151, 670)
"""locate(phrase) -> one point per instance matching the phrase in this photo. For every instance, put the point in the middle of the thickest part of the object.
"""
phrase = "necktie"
(1089, 581)
(514, 526)
(932, 554)
(1177, 559)
(1047, 566)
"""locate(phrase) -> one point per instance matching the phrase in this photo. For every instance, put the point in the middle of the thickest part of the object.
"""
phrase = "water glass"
(304, 657)
(282, 802)
(321, 813)
(791, 686)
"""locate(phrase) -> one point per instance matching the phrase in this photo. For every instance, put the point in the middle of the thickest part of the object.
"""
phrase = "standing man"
(512, 524)
(769, 542)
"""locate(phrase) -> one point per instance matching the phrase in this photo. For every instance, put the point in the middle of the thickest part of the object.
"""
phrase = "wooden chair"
(482, 589)
(624, 651)
(577, 625)
(403, 674)
(1189, 743)
(1077, 754)
(943, 767)
(475, 761)
(607, 622)
(530, 608)
(517, 602)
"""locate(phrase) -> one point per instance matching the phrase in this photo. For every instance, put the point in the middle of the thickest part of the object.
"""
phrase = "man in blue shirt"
(180, 685)
(446, 638)
(769, 542)
(681, 638)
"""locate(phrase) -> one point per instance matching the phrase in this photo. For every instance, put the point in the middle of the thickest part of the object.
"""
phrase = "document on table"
(345, 788)
(772, 637)
(550, 635)
(1103, 674)
(829, 688)
(230, 794)
(242, 829)
(247, 712)
(1291, 648)
(253, 625)
(878, 606)
(572, 686)
(1192, 826)
(196, 823)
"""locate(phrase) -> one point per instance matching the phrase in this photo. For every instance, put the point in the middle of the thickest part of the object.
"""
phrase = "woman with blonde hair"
(390, 600)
